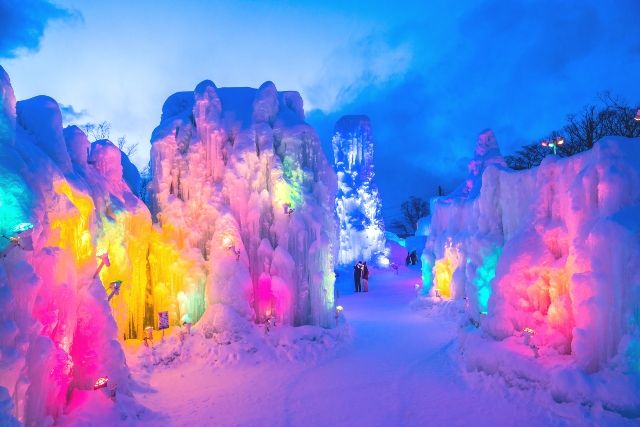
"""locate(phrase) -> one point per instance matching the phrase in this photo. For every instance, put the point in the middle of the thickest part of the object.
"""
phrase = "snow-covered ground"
(395, 365)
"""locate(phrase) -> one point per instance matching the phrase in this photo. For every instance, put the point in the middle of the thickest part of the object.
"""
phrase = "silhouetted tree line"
(411, 211)
(612, 117)
(98, 131)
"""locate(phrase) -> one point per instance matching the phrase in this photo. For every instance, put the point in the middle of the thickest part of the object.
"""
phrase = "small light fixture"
(394, 267)
(148, 336)
(115, 288)
(339, 309)
(528, 333)
(187, 327)
(637, 117)
(21, 238)
(104, 262)
(227, 242)
(101, 383)
(553, 144)
(269, 322)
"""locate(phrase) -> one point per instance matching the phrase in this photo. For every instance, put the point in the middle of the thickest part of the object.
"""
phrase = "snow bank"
(358, 205)
(549, 255)
(240, 184)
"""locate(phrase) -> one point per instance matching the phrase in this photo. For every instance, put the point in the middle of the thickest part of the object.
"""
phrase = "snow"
(391, 362)
(58, 332)
(358, 204)
(555, 250)
(524, 310)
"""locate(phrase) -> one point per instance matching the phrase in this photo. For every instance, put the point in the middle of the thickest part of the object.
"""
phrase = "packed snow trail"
(399, 370)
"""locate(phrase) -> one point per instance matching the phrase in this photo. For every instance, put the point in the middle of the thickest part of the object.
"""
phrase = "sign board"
(163, 320)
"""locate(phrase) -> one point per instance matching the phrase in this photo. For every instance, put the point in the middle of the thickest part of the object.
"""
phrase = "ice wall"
(64, 207)
(240, 184)
(57, 333)
(555, 249)
(358, 204)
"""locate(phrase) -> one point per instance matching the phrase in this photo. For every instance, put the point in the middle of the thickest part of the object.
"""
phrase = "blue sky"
(430, 74)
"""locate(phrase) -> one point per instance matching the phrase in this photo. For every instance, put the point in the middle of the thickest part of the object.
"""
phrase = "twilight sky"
(430, 74)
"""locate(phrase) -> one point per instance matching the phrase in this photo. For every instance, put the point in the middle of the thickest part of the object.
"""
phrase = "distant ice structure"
(358, 205)
(547, 258)
(240, 183)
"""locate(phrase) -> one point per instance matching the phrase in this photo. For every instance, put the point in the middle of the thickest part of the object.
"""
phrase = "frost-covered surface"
(358, 204)
(241, 186)
(402, 368)
(548, 262)
(225, 251)
(57, 332)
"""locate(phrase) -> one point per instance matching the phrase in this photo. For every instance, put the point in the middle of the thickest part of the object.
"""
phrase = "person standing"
(357, 273)
(365, 277)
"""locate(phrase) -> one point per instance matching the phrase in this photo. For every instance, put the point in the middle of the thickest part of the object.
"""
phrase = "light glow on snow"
(72, 225)
(444, 268)
(484, 275)
(101, 383)
(15, 203)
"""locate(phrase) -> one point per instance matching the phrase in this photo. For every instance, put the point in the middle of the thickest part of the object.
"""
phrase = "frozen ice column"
(358, 205)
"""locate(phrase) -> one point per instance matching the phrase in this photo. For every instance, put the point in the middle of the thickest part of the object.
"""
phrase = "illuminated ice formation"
(358, 204)
(554, 248)
(243, 199)
(240, 184)
(57, 333)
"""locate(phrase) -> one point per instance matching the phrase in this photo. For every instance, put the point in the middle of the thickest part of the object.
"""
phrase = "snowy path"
(398, 371)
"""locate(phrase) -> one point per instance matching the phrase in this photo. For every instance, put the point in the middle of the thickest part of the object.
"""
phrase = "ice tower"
(239, 181)
(358, 205)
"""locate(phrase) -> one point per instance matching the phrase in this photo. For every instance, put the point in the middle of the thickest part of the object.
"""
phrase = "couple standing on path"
(361, 276)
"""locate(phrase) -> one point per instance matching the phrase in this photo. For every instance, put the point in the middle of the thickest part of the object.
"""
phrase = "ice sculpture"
(358, 205)
(240, 184)
(57, 333)
(242, 196)
(553, 249)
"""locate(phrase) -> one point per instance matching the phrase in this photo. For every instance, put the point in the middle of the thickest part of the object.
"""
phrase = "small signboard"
(163, 320)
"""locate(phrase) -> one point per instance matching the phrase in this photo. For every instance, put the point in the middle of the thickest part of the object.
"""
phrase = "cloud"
(22, 24)
(517, 67)
(70, 115)
(374, 60)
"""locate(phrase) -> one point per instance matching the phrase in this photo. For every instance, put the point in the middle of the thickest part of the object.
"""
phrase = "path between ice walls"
(224, 248)
(544, 265)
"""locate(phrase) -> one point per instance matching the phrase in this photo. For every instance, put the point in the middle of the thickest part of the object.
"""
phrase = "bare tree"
(585, 128)
(411, 210)
(620, 117)
(527, 157)
(97, 131)
(128, 148)
(614, 117)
